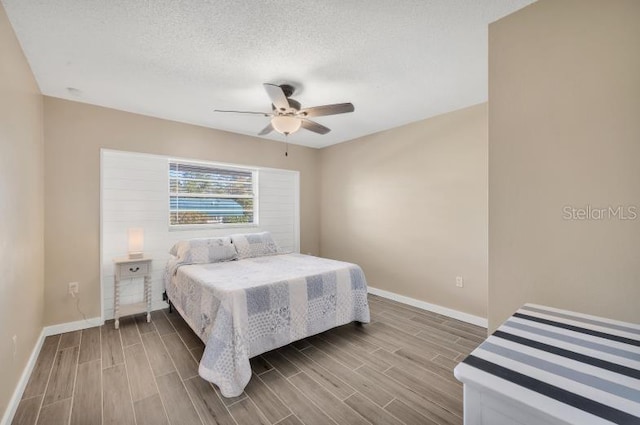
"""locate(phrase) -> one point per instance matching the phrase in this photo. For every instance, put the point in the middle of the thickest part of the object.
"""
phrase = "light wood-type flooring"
(395, 370)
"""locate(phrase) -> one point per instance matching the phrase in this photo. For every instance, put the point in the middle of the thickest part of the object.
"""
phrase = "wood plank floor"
(396, 370)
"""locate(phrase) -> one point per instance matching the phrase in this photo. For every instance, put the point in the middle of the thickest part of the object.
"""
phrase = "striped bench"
(547, 366)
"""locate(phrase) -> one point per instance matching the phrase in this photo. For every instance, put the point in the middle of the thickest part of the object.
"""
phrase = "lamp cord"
(73, 295)
(84, 317)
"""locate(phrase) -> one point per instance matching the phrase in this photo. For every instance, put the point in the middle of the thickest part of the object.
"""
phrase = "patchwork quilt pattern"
(244, 308)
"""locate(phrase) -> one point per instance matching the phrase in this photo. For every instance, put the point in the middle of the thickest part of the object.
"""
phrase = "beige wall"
(21, 211)
(75, 133)
(410, 206)
(564, 125)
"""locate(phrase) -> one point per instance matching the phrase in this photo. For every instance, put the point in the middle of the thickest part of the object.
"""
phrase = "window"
(211, 194)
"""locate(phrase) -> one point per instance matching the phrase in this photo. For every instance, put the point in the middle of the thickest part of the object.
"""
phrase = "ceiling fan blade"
(266, 114)
(318, 111)
(268, 129)
(277, 96)
(315, 127)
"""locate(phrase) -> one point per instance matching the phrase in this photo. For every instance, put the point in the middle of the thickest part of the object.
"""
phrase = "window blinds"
(210, 194)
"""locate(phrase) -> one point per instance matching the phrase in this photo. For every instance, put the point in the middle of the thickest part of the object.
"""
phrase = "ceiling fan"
(286, 115)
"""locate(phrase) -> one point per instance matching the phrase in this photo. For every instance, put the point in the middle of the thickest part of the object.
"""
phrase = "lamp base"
(135, 255)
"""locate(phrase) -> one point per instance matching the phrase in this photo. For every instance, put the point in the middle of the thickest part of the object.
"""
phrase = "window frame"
(255, 172)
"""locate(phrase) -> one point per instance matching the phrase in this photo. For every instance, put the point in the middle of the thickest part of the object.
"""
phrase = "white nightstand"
(126, 268)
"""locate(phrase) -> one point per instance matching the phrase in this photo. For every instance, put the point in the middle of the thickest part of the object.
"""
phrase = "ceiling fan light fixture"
(286, 124)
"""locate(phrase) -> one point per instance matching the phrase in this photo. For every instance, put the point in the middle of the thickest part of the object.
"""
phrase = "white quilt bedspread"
(244, 308)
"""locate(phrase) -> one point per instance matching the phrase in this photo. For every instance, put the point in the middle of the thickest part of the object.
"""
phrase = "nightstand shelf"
(127, 268)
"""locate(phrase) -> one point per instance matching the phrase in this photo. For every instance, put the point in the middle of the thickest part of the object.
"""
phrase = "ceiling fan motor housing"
(293, 104)
(287, 89)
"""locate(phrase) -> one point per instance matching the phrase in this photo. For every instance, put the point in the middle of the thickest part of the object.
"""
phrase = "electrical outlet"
(15, 346)
(73, 288)
(459, 282)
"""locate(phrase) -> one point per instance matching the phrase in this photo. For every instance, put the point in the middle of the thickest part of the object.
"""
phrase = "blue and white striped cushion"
(590, 365)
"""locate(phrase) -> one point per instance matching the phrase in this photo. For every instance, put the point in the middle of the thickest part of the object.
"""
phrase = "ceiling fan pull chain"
(286, 144)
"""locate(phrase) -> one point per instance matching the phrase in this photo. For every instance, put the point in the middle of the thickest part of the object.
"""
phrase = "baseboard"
(22, 383)
(159, 305)
(455, 314)
(155, 305)
(72, 326)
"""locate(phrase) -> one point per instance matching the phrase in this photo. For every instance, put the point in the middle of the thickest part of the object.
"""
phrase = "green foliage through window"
(208, 194)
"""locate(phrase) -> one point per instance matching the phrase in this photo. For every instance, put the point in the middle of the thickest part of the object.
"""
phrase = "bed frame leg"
(358, 324)
(165, 297)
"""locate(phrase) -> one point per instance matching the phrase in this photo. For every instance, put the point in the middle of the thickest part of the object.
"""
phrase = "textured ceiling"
(396, 61)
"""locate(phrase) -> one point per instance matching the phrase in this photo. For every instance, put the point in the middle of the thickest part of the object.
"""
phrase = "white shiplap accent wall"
(134, 193)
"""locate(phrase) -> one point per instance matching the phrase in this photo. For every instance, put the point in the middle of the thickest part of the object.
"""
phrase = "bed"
(243, 297)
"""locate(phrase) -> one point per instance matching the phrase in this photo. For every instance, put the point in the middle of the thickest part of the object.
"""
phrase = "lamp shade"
(136, 242)
(286, 124)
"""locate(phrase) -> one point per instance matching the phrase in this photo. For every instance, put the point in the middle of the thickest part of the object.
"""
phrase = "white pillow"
(204, 250)
(250, 245)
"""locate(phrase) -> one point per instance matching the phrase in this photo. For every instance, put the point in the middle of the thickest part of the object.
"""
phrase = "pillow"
(250, 245)
(204, 250)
